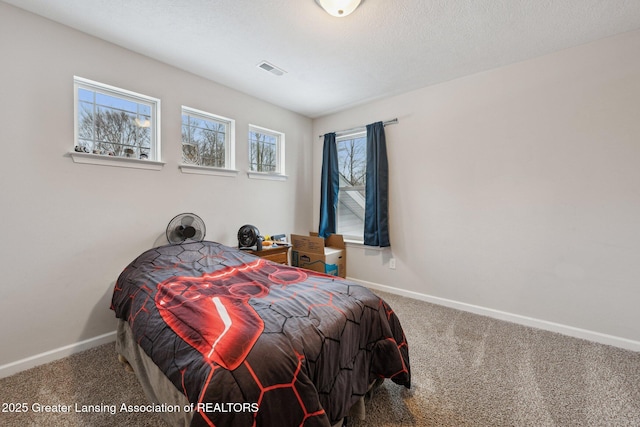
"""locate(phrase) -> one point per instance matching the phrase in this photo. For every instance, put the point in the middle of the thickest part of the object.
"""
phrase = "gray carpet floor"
(467, 370)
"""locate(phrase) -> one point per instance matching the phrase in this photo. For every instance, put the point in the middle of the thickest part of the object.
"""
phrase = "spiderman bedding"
(254, 343)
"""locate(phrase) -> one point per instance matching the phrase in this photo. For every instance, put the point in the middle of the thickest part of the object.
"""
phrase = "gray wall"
(516, 192)
(69, 229)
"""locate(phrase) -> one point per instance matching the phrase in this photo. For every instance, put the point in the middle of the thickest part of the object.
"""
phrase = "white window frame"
(279, 173)
(345, 137)
(229, 145)
(154, 156)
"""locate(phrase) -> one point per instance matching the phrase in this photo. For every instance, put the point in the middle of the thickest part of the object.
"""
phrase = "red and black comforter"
(251, 342)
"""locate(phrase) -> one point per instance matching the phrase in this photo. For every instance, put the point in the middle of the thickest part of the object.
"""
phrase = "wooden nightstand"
(279, 253)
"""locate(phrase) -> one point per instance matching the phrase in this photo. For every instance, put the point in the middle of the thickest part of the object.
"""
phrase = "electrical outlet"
(392, 263)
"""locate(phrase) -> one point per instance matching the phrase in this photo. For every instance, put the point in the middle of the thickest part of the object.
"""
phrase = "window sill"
(208, 170)
(360, 244)
(268, 176)
(123, 162)
(353, 242)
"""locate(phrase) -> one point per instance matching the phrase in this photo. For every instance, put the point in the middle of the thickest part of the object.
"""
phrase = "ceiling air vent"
(271, 68)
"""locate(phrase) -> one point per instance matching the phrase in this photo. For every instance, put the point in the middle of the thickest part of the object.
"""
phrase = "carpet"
(467, 370)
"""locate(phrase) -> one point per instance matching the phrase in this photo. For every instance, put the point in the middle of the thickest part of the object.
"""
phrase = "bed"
(220, 337)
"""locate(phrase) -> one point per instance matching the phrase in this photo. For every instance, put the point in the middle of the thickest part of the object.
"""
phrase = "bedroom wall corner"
(72, 228)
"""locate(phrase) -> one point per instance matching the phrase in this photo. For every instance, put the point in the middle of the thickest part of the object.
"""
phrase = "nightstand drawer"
(279, 254)
(280, 258)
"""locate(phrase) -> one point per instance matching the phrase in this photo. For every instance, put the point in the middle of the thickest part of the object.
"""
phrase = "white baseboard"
(510, 317)
(68, 350)
(55, 354)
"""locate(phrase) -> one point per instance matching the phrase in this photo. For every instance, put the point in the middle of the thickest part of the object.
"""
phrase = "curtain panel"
(376, 215)
(329, 186)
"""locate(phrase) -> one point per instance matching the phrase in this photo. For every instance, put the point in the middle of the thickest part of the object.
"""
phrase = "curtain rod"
(388, 122)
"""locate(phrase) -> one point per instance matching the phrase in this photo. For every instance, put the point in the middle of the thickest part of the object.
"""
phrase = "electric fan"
(249, 236)
(186, 226)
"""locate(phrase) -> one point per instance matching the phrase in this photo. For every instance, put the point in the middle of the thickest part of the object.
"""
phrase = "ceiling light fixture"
(339, 8)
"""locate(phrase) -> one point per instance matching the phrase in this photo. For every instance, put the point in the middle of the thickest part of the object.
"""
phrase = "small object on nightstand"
(249, 236)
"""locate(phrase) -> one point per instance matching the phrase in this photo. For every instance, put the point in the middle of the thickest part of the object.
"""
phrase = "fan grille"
(248, 236)
(186, 226)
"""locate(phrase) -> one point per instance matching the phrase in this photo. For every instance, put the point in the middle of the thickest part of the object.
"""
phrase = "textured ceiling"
(385, 47)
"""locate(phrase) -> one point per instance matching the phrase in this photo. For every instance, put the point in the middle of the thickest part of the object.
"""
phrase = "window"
(352, 161)
(116, 123)
(266, 152)
(207, 140)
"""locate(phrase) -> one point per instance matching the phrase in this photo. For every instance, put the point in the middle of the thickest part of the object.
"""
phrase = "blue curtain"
(376, 213)
(329, 186)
